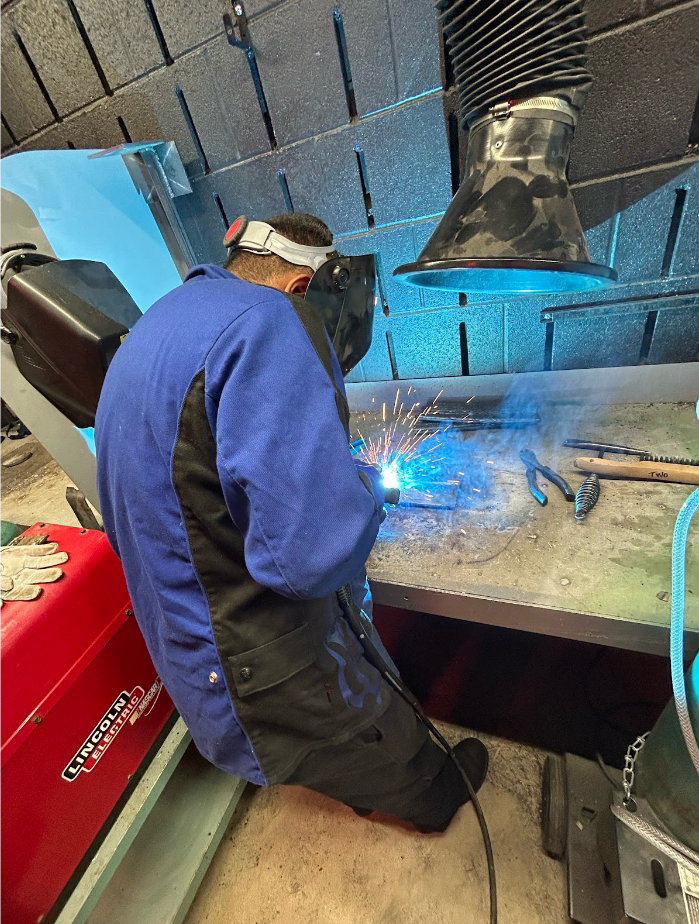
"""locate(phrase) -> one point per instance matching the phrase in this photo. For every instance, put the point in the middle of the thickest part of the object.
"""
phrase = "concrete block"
(627, 219)
(407, 159)
(392, 246)
(597, 202)
(485, 336)
(686, 260)
(323, 178)
(185, 24)
(642, 233)
(299, 64)
(135, 109)
(603, 14)
(23, 104)
(93, 127)
(255, 7)
(57, 51)
(525, 334)
(376, 365)
(676, 337)
(221, 98)
(598, 342)
(123, 38)
(251, 188)
(7, 140)
(393, 50)
(54, 137)
(416, 46)
(155, 101)
(202, 220)
(600, 241)
(427, 344)
(641, 102)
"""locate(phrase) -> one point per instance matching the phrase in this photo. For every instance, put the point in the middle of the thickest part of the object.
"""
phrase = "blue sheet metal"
(89, 208)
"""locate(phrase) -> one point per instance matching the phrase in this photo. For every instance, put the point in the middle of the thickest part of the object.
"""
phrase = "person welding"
(229, 492)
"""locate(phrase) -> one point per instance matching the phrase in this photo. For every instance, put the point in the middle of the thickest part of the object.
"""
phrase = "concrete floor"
(292, 856)
(34, 491)
(295, 857)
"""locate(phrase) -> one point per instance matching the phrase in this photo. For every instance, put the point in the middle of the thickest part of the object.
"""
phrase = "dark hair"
(298, 227)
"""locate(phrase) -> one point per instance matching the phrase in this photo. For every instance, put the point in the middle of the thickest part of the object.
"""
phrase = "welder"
(229, 492)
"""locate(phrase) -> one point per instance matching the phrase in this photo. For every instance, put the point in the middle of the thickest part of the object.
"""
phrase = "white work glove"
(24, 567)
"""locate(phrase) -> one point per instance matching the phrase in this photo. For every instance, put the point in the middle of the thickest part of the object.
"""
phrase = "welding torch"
(392, 493)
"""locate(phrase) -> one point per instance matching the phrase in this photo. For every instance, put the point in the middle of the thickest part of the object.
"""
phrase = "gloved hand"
(370, 476)
(24, 567)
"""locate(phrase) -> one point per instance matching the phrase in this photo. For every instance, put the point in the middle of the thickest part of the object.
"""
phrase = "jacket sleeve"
(308, 518)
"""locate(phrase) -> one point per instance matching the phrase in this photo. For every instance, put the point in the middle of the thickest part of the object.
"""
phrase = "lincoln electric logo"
(127, 707)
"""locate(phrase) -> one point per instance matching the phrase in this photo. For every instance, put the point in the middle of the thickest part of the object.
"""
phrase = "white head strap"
(260, 238)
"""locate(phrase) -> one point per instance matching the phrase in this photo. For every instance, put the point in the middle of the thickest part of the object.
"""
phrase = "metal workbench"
(501, 559)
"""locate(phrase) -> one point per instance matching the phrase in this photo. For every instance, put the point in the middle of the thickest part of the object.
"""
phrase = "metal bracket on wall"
(633, 304)
(157, 172)
(241, 21)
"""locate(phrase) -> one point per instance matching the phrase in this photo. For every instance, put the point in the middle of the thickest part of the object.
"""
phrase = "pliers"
(533, 466)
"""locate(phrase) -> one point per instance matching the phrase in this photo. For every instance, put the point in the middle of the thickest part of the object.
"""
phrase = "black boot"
(473, 757)
(472, 754)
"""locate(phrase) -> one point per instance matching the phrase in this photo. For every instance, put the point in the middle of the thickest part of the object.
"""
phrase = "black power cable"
(362, 627)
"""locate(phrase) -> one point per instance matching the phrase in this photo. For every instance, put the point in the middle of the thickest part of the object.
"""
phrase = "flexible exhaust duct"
(519, 68)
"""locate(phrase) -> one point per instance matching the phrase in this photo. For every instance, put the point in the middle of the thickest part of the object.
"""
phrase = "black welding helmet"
(342, 289)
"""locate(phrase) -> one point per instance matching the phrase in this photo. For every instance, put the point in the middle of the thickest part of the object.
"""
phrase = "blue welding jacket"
(305, 516)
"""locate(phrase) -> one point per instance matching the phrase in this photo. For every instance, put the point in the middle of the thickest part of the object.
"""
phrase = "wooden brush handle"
(644, 471)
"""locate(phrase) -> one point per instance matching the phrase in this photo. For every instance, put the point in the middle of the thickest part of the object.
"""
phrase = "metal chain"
(632, 753)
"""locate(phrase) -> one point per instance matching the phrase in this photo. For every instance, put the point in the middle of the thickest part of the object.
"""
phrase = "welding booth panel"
(81, 707)
(73, 205)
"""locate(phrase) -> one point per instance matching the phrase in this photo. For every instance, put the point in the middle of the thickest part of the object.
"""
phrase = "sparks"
(406, 453)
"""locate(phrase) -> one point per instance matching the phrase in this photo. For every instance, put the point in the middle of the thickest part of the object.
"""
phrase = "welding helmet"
(342, 289)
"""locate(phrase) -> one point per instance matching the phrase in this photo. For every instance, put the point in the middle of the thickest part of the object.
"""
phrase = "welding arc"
(358, 621)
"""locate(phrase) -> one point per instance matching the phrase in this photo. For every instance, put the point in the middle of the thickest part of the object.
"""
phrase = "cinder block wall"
(344, 109)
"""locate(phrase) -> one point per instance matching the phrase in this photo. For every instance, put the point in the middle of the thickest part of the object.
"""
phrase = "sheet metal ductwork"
(519, 68)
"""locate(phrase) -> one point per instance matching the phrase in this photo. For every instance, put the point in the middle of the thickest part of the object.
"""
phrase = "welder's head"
(295, 254)
(255, 259)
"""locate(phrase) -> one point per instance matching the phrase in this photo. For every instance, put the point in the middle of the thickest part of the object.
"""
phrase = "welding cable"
(358, 620)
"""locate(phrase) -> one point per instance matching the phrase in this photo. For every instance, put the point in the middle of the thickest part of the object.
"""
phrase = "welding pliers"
(533, 466)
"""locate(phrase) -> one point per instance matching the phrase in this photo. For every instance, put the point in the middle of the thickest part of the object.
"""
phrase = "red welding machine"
(81, 706)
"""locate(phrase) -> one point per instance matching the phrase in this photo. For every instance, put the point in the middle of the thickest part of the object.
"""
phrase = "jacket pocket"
(271, 664)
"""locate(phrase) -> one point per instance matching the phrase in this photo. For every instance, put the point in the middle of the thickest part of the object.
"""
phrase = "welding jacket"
(229, 492)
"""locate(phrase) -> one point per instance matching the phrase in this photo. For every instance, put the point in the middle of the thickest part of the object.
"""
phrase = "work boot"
(473, 757)
(472, 754)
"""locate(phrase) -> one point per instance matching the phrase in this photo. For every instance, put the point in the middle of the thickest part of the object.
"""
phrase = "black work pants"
(392, 767)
